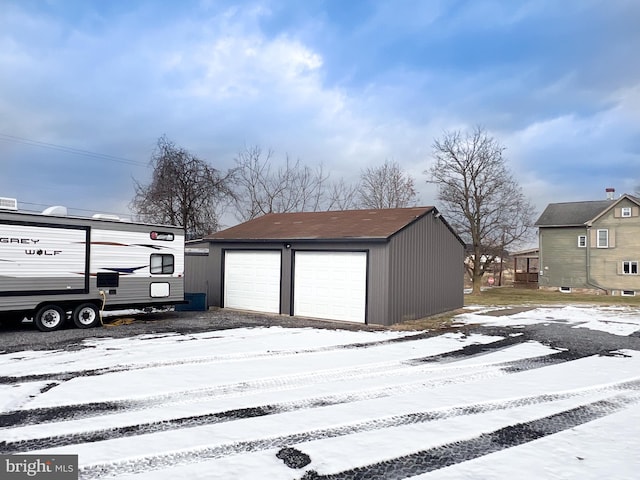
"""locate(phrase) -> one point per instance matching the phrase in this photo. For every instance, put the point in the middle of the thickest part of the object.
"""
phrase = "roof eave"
(571, 225)
(298, 240)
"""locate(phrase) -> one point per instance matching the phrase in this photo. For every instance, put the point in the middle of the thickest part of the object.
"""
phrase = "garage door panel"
(252, 280)
(331, 285)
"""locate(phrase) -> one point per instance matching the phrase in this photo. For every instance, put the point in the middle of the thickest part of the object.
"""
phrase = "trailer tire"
(50, 318)
(86, 316)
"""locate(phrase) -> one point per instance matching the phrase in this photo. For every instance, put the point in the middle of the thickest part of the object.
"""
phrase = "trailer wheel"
(86, 316)
(49, 318)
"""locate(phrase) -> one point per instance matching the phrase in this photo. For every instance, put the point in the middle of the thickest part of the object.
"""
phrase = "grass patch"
(443, 321)
(524, 296)
(513, 297)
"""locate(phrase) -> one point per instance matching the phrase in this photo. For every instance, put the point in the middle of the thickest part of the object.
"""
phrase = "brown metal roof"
(333, 225)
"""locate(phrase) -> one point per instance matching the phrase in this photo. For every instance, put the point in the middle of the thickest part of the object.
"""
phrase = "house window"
(603, 239)
(626, 212)
(630, 268)
(628, 293)
(582, 241)
(161, 263)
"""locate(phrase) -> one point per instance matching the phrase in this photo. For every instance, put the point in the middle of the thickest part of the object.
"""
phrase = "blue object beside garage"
(195, 302)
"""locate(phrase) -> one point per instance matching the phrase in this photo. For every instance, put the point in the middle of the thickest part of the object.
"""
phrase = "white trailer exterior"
(52, 267)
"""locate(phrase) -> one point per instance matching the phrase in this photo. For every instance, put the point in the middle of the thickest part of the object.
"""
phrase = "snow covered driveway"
(548, 393)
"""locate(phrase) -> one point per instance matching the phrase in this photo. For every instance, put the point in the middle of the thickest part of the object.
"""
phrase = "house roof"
(573, 214)
(332, 225)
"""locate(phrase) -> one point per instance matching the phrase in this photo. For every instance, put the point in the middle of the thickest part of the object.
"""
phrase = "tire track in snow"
(461, 451)
(472, 350)
(383, 369)
(74, 412)
(232, 357)
(408, 465)
(23, 446)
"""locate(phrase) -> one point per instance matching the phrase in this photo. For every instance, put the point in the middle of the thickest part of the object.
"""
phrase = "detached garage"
(365, 266)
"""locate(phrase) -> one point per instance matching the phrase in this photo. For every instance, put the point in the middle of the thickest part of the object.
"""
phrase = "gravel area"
(26, 336)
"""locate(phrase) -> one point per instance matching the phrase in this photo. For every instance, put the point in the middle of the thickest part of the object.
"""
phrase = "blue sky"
(346, 83)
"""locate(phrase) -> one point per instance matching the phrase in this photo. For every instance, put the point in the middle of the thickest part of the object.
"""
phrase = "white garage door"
(331, 285)
(252, 280)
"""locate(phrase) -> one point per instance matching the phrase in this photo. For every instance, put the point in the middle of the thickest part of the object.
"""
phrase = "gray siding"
(214, 265)
(378, 294)
(624, 245)
(562, 262)
(425, 276)
(196, 273)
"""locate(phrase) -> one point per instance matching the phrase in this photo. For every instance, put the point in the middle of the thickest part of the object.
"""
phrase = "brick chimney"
(610, 193)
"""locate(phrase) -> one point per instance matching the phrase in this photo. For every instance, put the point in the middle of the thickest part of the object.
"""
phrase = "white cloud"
(242, 68)
(273, 91)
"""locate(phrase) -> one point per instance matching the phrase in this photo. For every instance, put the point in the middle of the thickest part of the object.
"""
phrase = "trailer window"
(166, 236)
(161, 263)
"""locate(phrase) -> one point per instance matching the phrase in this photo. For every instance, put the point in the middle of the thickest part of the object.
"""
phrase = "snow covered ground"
(278, 403)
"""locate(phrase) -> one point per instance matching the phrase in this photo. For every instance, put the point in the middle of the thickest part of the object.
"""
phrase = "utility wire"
(74, 151)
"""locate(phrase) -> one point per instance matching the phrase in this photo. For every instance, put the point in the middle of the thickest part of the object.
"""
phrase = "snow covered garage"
(366, 266)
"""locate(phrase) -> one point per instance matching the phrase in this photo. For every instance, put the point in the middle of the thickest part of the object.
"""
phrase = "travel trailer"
(55, 267)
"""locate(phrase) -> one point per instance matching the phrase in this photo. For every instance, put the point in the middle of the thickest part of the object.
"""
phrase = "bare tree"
(481, 199)
(343, 196)
(184, 190)
(263, 188)
(387, 186)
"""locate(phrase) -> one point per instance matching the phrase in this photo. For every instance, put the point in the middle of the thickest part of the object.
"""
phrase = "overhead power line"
(74, 151)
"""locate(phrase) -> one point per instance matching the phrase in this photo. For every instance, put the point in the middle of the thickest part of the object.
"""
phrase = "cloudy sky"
(87, 87)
